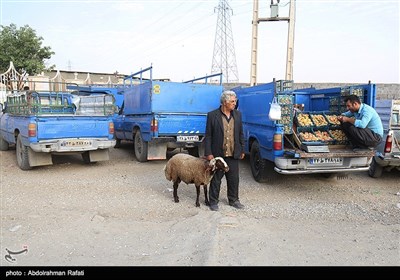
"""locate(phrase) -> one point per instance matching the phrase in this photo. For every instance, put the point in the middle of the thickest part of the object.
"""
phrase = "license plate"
(187, 138)
(76, 143)
(326, 161)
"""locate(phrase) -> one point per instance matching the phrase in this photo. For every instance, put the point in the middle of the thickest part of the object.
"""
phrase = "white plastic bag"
(275, 110)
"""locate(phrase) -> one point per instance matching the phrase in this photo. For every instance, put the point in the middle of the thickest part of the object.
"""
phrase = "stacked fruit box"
(334, 129)
(304, 129)
(313, 128)
(339, 136)
(321, 127)
(286, 103)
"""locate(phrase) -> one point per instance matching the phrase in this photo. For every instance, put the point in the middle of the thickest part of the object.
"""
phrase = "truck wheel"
(3, 144)
(375, 170)
(117, 143)
(22, 154)
(193, 151)
(140, 147)
(86, 158)
(261, 169)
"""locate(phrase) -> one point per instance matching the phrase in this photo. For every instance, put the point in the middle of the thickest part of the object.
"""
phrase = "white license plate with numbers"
(187, 138)
(76, 143)
(326, 161)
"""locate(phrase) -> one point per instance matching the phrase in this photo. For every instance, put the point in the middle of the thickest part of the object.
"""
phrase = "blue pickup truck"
(387, 156)
(44, 122)
(162, 115)
(307, 138)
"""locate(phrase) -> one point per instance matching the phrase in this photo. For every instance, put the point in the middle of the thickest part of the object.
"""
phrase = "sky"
(342, 41)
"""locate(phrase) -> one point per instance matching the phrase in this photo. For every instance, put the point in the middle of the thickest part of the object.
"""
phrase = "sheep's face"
(219, 163)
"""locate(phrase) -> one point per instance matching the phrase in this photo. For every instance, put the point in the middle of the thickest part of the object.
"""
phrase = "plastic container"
(332, 121)
(319, 120)
(324, 136)
(286, 103)
(303, 119)
(339, 136)
(307, 136)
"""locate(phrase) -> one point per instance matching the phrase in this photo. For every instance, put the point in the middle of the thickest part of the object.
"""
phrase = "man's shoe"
(236, 204)
(214, 207)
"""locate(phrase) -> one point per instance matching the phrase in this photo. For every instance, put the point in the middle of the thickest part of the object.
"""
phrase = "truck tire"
(140, 147)
(375, 170)
(3, 144)
(193, 151)
(22, 154)
(117, 143)
(261, 169)
(86, 158)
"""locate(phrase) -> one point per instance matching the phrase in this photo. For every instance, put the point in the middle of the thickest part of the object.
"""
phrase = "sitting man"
(361, 124)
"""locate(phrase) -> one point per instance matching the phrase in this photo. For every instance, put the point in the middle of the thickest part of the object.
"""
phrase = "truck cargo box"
(171, 97)
(162, 115)
(306, 139)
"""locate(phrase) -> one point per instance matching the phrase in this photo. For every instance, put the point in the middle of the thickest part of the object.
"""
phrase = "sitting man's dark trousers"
(361, 137)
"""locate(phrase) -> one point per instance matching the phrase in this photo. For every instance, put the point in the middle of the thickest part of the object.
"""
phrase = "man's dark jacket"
(214, 140)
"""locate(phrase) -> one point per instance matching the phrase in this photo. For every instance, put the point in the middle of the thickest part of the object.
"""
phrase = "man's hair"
(352, 99)
(226, 95)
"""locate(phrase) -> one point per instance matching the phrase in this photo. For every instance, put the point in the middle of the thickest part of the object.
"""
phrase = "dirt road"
(121, 213)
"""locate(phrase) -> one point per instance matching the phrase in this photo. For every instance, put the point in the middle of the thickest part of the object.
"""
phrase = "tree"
(24, 48)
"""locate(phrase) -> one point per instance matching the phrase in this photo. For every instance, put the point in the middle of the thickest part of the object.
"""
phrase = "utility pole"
(290, 42)
(224, 59)
(253, 67)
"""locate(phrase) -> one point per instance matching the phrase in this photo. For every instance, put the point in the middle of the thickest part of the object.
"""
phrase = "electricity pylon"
(224, 59)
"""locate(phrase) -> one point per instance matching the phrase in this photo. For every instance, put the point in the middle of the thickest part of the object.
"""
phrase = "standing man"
(224, 138)
(365, 130)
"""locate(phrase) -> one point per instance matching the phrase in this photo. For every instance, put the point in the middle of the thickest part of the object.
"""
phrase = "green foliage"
(24, 48)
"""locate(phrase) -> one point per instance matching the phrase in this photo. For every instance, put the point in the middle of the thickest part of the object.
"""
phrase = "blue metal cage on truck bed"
(160, 115)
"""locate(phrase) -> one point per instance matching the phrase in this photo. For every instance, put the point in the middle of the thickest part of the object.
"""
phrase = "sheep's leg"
(206, 195)
(198, 195)
(176, 197)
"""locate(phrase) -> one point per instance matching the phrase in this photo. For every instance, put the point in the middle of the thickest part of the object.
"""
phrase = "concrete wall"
(384, 91)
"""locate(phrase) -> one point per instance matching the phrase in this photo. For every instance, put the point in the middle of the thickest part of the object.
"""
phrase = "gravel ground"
(121, 213)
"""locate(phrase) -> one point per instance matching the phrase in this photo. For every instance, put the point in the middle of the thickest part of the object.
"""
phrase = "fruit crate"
(339, 136)
(324, 135)
(318, 119)
(286, 103)
(332, 119)
(306, 136)
(303, 119)
(314, 135)
(334, 104)
(284, 85)
(352, 90)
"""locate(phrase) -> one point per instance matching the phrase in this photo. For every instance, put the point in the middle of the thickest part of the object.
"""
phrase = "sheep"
(193, 170)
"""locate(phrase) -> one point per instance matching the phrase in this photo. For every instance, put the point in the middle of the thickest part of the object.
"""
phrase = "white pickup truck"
(387, 156)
